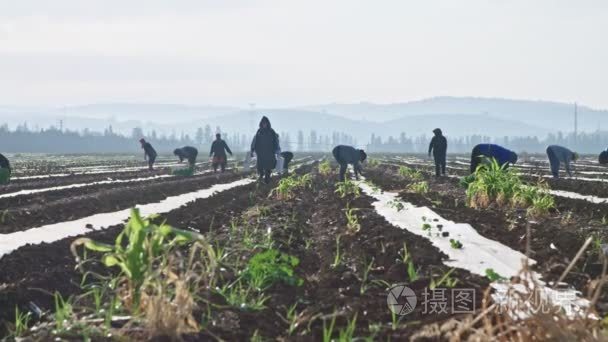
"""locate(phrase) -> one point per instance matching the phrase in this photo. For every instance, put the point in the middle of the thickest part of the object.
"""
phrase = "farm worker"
(439, 148)
(265, 144)
(349, 155)
(187, 152)
(558, 155)
(218, 152)
(502, 155)
(287, 158)
(604, 157)
(149, 153)
(5, 170)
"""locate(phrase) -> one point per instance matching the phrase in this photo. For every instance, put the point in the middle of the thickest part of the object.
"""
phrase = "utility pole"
(575, 122)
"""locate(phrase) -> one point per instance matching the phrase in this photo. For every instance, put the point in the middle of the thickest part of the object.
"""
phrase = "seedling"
(455, 244)
(445, 279)
(426, 226)
(419, 187)
(348, 188)
(352, 220)
(493, 276)
(338, 255)
(243, 297)
(270, 267)
(397, 205)
(325, 168)
(366, 270)
(22, 321)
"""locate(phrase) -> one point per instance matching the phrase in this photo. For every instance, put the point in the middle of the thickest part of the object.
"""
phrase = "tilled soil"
(566, 228)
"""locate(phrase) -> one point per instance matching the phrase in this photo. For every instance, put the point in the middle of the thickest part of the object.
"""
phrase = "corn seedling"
(293, 318)
(348, 188)
(407, 172)
(21, 324)
(243, 297)
(287, 186)
(419, 187)
(347, 334)
(446, 280)
(325, 168)
(352, 220)
(364, 280)
(328, 331)
(338, 255)
(407, 260)
(63, 312)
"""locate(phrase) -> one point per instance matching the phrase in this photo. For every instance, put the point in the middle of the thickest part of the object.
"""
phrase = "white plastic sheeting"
(61, 230)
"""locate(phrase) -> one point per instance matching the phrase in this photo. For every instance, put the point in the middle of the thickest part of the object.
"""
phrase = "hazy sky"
(281, 52)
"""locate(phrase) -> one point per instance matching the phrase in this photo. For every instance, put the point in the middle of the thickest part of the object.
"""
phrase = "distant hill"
(554, 116)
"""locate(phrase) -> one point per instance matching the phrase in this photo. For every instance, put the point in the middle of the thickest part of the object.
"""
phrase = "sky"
(288, 53)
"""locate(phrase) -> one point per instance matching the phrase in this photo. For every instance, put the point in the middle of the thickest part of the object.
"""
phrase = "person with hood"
(187, 152)
(5, 170)
(603, 159)
(349, 155)
(439, 148)
(558, 155)
(149, 153)
(488, 151)
(218, 152)
(265, 144)
(287, 158)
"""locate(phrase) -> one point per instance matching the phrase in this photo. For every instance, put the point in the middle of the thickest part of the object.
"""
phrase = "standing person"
(265, 144)
(439, 148)
(502, 155)
(5, 170)
(559, 154)
(187, 152)
(218, 152)
(149, 153)
(349, 155)
(287, 158)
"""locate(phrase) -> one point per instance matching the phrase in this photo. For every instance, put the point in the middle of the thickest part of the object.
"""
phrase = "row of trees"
(590, 143)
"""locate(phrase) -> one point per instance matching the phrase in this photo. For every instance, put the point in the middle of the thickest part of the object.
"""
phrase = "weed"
(364, 280)
(287, 186)
(397, 205)
(426, 226)
(446, 280)
(21, 324)
(338, 255)
(270, 267)
(347, 334)
(63, 312)
(325, 168)
(407, 172)
(244, 297)
(352, 220)
(328, 331)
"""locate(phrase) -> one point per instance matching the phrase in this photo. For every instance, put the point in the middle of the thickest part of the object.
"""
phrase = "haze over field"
(485, 67)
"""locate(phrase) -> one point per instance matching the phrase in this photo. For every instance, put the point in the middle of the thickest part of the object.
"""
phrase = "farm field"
(303, 258)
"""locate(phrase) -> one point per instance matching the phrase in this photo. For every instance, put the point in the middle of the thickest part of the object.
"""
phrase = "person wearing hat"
(5, 170)
(345, 155)
(265, 144)
(149, 153)
(439, 148)
(558, 155)
(218, 152)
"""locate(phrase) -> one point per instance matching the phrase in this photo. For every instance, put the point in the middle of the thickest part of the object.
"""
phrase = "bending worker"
(482, 152)
(558, 155)
(5, 170)
(604, 157)
(187, 152)
(349, 155)
(149, 153)
(439, 148)
(218, 152)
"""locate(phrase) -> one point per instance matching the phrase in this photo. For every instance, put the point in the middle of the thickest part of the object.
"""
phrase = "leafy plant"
(348, 188)
(419, 187)
(325, 168)
(397, 205)
(271, 266)
(426, 226)
(455, 244)
(493, 276)
(352, 219)
(287, 187)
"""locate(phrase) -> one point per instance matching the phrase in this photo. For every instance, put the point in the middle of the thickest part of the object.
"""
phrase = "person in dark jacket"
(218, 152)
(484, 151)
(5, 169)
(603, 159)
(265, 144)
(187, 152)
(349, 155)
(558, 155)
(287, 158)
(149, 153)
(439, 148)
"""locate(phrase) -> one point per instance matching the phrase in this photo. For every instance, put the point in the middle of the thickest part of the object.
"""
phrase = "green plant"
(21, 324)
(347, 188)
(287, 186)
(328, 331)
(325, 168)
(493, 276)
(455, 244)
(338, 255)
(445, 279)
(243, 297)
(407, 172)
(63, 312)
(426, 226)
(137, 252)
(269, 267)
(348, 333)
(397, 205)
(365, 278)
(419, 187)
(352, 219)
(407, 260)
(373, 162)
